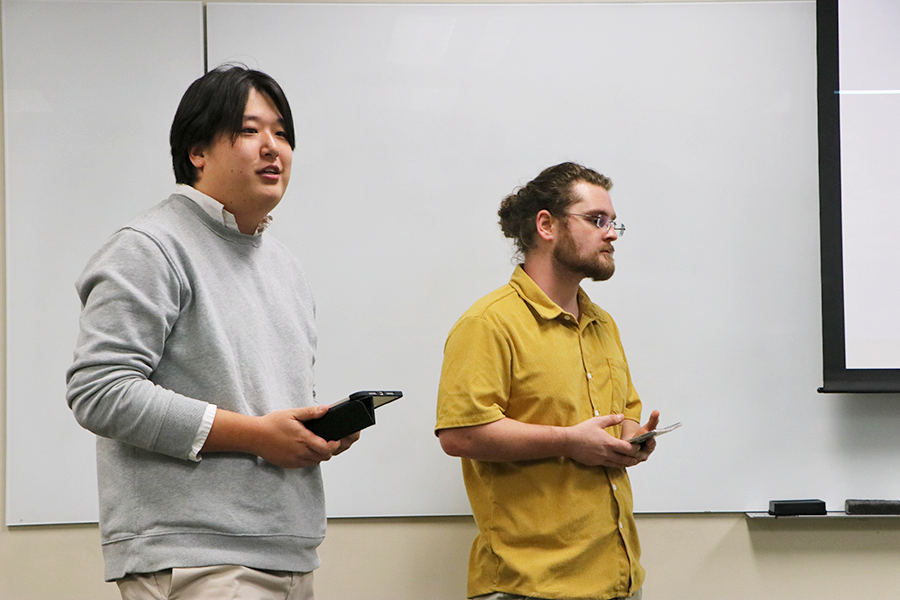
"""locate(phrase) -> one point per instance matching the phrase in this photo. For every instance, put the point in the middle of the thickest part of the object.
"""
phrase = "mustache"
(608, 248)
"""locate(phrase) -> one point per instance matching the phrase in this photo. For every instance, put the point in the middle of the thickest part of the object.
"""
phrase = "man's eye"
(248, 130)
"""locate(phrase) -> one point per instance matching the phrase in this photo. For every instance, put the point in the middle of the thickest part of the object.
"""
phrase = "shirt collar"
(215, 209)
(529, 291)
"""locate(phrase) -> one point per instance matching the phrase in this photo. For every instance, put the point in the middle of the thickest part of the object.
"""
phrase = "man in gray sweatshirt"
(194, 367)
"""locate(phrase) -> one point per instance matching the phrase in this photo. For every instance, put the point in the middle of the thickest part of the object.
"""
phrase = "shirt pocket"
(618, 379)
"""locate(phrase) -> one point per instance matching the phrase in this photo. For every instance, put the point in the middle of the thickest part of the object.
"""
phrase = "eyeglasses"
(602, 222)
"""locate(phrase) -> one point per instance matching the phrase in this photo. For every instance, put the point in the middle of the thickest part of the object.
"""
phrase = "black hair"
(214, 104)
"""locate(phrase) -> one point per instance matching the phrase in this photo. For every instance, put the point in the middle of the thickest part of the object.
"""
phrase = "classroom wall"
(687, 556)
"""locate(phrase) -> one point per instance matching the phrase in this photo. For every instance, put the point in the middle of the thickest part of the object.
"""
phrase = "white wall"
(688, 557)
(692, 556)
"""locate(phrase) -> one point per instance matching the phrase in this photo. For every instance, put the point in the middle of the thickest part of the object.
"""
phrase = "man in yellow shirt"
(537, 399)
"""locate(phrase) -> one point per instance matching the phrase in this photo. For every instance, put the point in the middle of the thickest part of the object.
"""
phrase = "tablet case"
(349, 416)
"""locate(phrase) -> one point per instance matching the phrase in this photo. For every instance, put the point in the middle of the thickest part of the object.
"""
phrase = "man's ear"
(198, 157)
(547, 226)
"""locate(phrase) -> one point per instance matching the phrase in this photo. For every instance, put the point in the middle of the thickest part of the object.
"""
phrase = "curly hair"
(550, 191)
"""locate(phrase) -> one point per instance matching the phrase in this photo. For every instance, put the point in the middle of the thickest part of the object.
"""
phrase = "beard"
(594, 266)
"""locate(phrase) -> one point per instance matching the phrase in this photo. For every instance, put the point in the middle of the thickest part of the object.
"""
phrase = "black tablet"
(351, 414)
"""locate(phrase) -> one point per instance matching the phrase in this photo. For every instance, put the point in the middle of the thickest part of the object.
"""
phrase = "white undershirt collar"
(216, 209)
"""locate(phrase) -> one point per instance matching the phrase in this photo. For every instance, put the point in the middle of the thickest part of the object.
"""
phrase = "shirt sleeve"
(475, 377)
(131, 297)
(208, 417)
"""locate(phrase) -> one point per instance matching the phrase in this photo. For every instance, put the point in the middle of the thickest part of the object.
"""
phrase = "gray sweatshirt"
(179, 311)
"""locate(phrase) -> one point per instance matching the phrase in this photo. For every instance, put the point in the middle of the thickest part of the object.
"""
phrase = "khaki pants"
(225, 582)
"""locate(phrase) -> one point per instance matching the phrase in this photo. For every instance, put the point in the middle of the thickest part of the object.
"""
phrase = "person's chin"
(271, 195)
(604, 271)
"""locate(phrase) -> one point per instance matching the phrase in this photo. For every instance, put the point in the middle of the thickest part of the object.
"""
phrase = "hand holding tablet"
(640, 439)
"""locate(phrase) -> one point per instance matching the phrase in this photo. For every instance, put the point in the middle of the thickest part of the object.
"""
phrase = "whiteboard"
(413, 121)
(89, 90)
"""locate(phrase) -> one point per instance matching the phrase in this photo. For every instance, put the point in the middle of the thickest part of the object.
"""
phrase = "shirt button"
(590, 376)
(596, 413)
(567, 318)
(614, 487)
(621, 526)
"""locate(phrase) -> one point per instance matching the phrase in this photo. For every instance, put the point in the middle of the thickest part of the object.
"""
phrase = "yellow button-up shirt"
(550, 528)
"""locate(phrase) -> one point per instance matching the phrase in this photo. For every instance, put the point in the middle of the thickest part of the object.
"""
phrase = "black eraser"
(785, 508)
(872, 507)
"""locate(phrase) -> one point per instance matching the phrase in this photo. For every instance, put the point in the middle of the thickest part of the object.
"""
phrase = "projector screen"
(859, 148)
